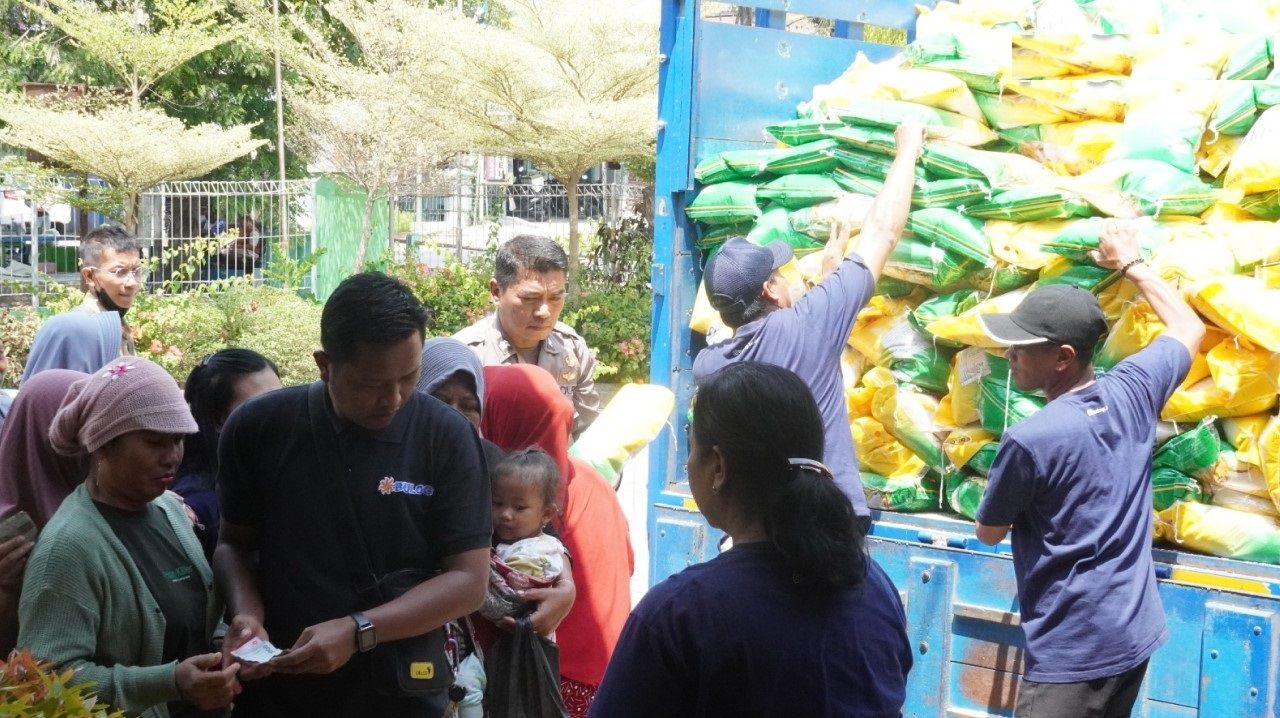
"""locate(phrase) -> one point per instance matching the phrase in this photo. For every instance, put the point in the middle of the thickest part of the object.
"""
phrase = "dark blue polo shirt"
(808, 338)
(1074, 481)
(419, 488)
(736, 637)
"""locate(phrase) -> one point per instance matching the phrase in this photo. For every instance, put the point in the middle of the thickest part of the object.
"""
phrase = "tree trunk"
(571, 189)
(366, 231)
(131, 211)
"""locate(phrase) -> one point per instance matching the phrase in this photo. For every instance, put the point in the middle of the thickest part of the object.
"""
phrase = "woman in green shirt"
(117, 587)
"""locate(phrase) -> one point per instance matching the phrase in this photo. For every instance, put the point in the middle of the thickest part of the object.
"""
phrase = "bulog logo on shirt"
(389, 486)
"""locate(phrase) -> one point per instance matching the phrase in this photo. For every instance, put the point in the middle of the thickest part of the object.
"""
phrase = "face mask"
(105, 300)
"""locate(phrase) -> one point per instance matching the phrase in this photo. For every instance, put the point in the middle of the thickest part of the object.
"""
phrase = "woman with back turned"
(795, 619)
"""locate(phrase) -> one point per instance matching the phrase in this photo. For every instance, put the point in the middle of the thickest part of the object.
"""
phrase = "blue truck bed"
(720, 84)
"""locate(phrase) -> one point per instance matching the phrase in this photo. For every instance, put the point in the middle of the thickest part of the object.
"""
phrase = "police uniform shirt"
(564, 353)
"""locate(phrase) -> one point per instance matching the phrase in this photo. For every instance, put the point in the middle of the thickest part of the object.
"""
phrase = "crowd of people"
(358, 545)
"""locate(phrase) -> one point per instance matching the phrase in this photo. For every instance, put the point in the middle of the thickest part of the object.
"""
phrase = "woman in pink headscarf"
(33, 478)
(523, 408)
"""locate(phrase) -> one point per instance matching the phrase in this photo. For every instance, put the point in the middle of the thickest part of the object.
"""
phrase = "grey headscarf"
(77, 340)
(442, 357)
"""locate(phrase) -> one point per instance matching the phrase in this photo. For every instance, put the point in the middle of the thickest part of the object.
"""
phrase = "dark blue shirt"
(1074, 481)
(736, 637)
(808, 338)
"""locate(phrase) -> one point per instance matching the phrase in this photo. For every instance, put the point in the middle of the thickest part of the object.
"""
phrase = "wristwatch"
(366, 639)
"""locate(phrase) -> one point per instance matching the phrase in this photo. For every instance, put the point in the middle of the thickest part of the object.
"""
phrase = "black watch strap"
(365, 637)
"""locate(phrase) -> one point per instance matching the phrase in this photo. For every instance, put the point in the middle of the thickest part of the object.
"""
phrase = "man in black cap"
(772, 323)
(1073, 481)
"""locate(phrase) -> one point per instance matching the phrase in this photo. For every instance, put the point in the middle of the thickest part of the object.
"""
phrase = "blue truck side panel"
(719, 85)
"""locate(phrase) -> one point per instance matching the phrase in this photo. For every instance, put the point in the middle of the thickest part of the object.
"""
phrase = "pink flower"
(174, 352)
(157, 347)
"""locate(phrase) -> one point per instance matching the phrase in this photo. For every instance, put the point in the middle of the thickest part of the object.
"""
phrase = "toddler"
(525, 486)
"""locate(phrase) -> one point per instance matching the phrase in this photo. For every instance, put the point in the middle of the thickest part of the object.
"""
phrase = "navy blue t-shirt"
(808, 338)
(1074, 481)
(736, 637)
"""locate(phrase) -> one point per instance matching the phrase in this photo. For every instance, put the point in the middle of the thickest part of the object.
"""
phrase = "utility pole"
(284, 194)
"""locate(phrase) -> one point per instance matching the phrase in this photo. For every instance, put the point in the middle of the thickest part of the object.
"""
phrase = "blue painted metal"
(719, 85)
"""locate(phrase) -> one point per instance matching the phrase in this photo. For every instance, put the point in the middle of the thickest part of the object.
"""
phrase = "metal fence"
(467, 222)
(207, 231)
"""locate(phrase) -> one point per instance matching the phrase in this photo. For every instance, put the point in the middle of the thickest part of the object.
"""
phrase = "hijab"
(78, 340)
(524, 408)
(442, 357)
(33, 477)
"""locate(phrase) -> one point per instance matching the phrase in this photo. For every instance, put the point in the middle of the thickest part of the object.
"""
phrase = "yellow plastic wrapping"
(1137, 327)
(1073, 148)
(1189, 55)
(704, 319)
(966, 328)
(1243, 433)
(1241, 305)
(1087, 53)
(1086, 100)
(909, 415)
(964, 389)
(1256, 165)
(628, 423)
(867, 80)
(1216, 152)
(879, 452)
(1220, 531)
(1242, 381)
(1019, 243)
(961, 444)
(1269, 451)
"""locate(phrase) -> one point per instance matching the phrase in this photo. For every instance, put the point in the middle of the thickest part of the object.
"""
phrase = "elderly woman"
(795, 619)
(33, 479)
(117, 588)
(524, 407)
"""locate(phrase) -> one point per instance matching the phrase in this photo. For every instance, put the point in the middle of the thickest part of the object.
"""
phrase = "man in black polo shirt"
(325, 486)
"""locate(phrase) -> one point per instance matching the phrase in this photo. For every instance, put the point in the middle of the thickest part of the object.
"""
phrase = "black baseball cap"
(736, 275)
(1056, 313)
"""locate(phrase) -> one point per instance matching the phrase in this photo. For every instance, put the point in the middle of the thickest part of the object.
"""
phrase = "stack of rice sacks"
(1044, 119)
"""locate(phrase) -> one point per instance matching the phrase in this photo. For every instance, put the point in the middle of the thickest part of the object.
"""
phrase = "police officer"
(528, 291)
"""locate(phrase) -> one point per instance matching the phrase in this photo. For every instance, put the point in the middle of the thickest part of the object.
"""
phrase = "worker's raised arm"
(888, 214)
(1118, 249)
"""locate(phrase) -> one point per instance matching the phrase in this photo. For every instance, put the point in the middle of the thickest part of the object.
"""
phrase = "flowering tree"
(367, 114)
(140, 47)
(131, 148)
(568, 84)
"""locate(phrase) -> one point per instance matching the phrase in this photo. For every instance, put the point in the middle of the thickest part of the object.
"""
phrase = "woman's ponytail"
(811, 523)
(766, 424)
